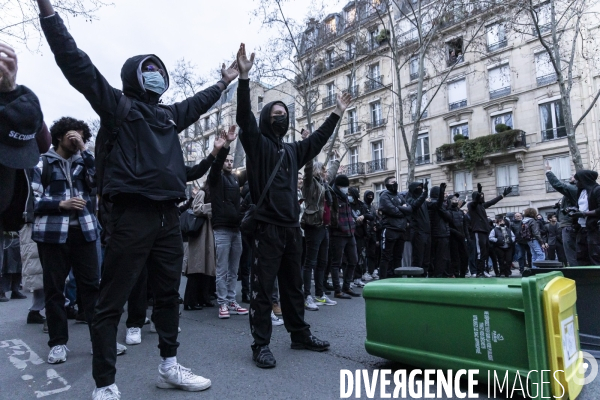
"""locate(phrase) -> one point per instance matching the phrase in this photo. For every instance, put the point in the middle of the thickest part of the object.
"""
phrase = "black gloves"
(577, 215)
(507, 191)
(443, 186)
(479, 187)
(426, 187)
(456, 194)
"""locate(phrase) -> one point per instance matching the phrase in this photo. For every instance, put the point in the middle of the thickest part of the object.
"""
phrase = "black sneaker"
(351, 293)
(327, 292)
(341, 295)
(16, 295)
(262, 356)
(45, 327)
(80, 318)
(310, 343)
(34, 317)
(3, 297)
(71, 313)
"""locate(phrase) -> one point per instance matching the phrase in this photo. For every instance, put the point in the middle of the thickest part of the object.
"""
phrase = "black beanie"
(342, 180)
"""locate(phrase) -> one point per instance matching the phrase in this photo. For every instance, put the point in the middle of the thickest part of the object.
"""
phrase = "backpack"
(526, 233)
(106, 139)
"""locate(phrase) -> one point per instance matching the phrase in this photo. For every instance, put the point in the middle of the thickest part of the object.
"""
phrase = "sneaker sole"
(132, 343)
(223, 316)
(330, 304)
(302, 346)
(198, 388)
(277, 324)
(57, 361)
(238, 313)
(311, 309)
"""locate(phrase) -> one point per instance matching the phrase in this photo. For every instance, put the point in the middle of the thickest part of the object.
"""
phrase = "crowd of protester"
(89, 235)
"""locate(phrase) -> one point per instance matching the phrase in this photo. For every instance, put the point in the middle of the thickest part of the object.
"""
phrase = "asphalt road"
(216, 349)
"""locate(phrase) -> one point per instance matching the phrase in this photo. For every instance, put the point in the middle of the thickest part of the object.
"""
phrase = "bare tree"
(19, 19)
(568, 51)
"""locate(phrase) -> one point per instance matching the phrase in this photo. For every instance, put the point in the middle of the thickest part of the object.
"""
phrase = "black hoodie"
(146, 159)
(478, 219)
(263, 148)
(420, 216)
(588, 179)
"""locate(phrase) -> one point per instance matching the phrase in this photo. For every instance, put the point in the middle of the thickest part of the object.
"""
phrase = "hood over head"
(264, 122)
(133, 82)
(434, 193)
(587, 178)
(413, 186)
(367, 194)
(474, 196)
(354, 193)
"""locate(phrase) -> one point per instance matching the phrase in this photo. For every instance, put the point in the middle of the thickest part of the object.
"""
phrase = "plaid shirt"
(51, 223)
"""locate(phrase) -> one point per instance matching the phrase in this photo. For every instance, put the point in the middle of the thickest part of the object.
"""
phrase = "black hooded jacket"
(479, 221)
(146, 159)
(438, 215)
(263, 148)
(459, 227)
(420, 215)
(588, 179)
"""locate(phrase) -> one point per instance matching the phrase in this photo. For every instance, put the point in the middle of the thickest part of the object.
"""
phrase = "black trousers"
(392, 248)
(342, 246)
(481, 249)
(371, 259)
(57, 260)
(278, 253)
(421, 249)
(440, 247)
(494, 258)
(361, 265)
(246, 261)
(137, 304)
(504, 257)
(317, 247)
(459, 259)
(144, 234)
(588, 247)
(557, 251)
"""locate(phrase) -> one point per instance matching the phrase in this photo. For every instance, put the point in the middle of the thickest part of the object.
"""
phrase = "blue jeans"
(228, 244)
(537, 254)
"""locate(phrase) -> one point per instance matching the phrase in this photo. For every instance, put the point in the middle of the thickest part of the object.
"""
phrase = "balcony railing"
(550, 189)
(353, 130)
(377, 165)
(414, 115)
(419, 160)
(546, 79)
(353, 91)
(498, 45)
(376, 123)
(414, 75)
(353, 169)
(457, 105)
(328, 101)
(373, 83)
(554, 133)
(455, 60)
(451, 155)
(515, 190)
(494, 94)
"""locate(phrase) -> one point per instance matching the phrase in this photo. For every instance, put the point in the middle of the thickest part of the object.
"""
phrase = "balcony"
(546, 79)
(353, 169)
(377, 165)
(515, 190)
(498, 45)
(414, 76)
(353, 129)
(373, 83)
(420, 160)
(494, 94)
(328, 101)
(353, 91)
(376, 123)
(458, 104)
(550, 189)
(513, 141)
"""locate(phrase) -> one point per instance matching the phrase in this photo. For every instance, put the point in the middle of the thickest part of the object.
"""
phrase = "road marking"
(21, 356)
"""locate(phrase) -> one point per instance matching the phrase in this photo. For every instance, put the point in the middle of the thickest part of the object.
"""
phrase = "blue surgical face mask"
(344, 190)
(154, 82)
(350, 199)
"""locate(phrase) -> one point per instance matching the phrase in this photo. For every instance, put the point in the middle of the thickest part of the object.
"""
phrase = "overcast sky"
(205, 32)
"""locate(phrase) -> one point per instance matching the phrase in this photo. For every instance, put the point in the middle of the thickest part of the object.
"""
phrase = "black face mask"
(280, 124)
(369, 200)
(418, 191)
(392, 187)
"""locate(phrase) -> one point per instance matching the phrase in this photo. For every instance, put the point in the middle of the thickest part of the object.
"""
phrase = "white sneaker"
(359, 283)
(326, 301)
(134, 336)
(275, 320)
(147, 321)
(367, 277)
(486, 274)
(178, 377)
(107, 393)
(58, 354)
(375, 275)
(309, 304)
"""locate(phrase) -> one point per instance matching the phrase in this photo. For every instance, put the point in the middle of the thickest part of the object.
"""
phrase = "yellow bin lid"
(562, 334)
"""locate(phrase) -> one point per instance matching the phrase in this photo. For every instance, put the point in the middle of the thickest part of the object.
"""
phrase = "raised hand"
(548, 167)
(8, 68)
(443, 187)
(229, 74)
(304, 133)
(231, 134)
(75, 138)
(507, 191)
(426, 186)
(243, 63)
(219, 143)
(479, 187)
(342, 102)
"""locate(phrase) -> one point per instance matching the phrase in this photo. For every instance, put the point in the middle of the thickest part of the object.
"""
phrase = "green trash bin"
(493, 324)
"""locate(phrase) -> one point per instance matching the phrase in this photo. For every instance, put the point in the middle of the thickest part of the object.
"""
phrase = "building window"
(330, 59)
(496, 37)
(373, 39)
(507, 175)
(544, 71)
(422, 155)
(413, 106)
(353, 155)
(499, 81)
(424, 179)
(260, 103)
(413, 67)
(455, 51)
(374, 79)
(352, 88)
(350, 16)
(377, 150)
(329, 99)
(457, 94)
(352, 122)
(463, 183)
(506, 119)
(206, 123)
(378, 188)
(376, 117)
(350, 49)
(331, 26)
(552, 121)
(543, 16)
(561, 167)
(462, 129)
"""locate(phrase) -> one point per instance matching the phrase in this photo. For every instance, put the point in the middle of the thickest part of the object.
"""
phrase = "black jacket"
(459, 227)
(554, 234)
(146, 159)
(516, 227)
(479, 219)
(395, 211)
(588, 179)
(440, 218)
(263, 148)
(569, 199)
(420, 216)
(225, 191)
